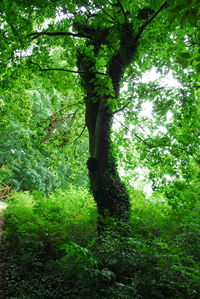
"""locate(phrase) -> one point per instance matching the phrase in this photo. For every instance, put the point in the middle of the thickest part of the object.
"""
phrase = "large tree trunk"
(109, 192)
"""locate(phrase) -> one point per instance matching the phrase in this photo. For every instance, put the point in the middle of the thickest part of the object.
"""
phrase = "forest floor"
(3, 295)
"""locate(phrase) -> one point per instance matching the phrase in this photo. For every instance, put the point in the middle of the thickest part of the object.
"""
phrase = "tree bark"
(109, 192)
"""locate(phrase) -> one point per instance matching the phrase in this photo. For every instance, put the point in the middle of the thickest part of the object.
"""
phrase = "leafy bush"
(157, 256)
(40, 224)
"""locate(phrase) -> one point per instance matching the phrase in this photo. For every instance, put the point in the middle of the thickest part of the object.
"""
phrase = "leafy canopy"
(42, 95)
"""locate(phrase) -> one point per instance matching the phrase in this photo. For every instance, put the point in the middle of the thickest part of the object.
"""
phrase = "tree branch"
(150, 146)
(178, 147)
(123, 11)
(149, 21)
(143, 130)
(136, 135)
(65, 70)
(106, 13)
(122, 108)
(35, 35)
(82, 131)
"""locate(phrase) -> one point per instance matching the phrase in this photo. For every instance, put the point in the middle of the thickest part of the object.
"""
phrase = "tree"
(33, 151)
(100, 45)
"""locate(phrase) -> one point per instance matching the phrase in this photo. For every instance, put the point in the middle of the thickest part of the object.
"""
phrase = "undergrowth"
(53, 250)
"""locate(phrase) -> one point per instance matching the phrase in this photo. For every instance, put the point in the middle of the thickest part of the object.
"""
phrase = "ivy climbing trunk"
(109, 192)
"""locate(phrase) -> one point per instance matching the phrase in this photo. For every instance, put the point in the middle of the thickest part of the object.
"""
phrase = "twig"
(60, 111)
(123, 11)
(144, 130)
(122, 108)
(4, 192)
(136, 135)
(149, 21)
(106, 13)
(178, 147)
(80, 134)
(150, 146)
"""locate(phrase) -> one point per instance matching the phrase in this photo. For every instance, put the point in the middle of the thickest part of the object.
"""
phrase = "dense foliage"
(112, 86)
(42, 108)
(53, 250)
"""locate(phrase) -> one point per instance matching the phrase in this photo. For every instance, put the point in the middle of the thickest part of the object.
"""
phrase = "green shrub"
(40, 224)
(155, 256)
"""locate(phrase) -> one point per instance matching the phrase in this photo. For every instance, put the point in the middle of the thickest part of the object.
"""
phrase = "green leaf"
(198, 68)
